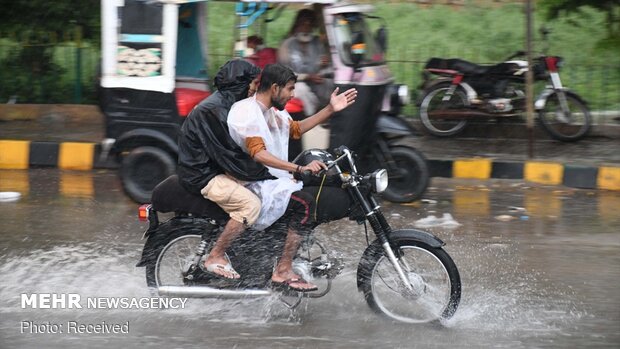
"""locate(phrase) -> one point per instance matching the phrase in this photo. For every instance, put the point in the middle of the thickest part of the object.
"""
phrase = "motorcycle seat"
(459, 65)
(170, 196)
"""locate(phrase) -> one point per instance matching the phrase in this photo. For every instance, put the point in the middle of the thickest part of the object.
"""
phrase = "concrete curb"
(542, 172)
(82, 156)
(87, 156)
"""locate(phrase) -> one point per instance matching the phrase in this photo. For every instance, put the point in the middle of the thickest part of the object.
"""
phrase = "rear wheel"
(435, 282)
(567, 125)
(175, 260)
(142, 169)
(432, 106)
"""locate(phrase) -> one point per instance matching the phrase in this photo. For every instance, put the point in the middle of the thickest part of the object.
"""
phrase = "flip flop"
(286, 285)
(226, 268)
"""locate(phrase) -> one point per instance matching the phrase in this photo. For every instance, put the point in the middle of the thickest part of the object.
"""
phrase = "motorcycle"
(403, 274)
(465, 90)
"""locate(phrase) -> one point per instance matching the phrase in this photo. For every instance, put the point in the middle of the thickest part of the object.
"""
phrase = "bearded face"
(283, 95)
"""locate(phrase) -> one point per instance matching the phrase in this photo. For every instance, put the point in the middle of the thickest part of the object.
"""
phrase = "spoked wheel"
(569, 123)
(434, 111)
(435, 283)
(173, 262)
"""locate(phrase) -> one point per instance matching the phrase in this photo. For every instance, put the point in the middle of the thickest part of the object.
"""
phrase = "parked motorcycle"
(404, 274)
(464, 90)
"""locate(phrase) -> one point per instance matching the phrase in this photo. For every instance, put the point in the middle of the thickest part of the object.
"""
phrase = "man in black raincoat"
(213, 165)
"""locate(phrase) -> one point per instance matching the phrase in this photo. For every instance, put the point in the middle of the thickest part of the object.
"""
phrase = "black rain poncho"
(205, 146)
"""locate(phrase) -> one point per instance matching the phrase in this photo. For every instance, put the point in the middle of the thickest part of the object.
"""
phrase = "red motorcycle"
(463, 90)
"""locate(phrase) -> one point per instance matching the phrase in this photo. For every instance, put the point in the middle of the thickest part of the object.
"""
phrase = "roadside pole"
(529, 81)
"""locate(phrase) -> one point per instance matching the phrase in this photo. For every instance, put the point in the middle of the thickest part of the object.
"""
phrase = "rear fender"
(144, 137)
(165, 232)
(470, 91)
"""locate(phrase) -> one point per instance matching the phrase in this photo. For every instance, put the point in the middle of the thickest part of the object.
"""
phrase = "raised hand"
(343, 100)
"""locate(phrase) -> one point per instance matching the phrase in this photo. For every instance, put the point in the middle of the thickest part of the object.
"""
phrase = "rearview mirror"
(381, 37)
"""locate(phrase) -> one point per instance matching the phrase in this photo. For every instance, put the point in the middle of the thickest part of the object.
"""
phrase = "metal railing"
(70, 74)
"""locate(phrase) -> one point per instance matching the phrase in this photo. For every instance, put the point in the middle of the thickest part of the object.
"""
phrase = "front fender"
(394, 125)
(418, 235)
(541, 100)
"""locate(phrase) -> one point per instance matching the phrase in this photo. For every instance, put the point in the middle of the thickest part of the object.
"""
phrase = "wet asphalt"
(539, 267)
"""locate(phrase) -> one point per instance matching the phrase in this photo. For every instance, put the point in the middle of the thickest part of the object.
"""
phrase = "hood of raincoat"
(234, 78)
(205, 146)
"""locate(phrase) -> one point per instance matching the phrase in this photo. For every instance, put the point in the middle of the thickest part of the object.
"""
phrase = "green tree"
(555, 8)
(32, 30)
(56, 16)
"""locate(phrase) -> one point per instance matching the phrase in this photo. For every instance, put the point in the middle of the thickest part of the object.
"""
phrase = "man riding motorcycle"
(262, 128)
(212, 165)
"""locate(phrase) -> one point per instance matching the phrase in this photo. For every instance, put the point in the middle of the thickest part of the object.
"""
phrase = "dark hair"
(302, 15)
(275, 74)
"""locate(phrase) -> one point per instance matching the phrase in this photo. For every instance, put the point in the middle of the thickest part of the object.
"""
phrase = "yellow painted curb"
(544, 172)
(472, 168)
(609, 178)
(76, 156)
(14, 154)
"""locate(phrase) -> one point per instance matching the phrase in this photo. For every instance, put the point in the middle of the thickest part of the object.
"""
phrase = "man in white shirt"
(262, 127)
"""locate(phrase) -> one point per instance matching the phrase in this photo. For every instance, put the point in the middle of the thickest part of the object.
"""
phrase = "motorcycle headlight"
(403, 94)
(379, 180)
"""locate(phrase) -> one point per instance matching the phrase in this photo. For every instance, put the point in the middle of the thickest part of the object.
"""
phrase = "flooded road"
(539, 266)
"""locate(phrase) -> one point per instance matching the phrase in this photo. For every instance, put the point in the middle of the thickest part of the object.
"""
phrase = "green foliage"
(41, 16)
(611, 8)
(34, 29)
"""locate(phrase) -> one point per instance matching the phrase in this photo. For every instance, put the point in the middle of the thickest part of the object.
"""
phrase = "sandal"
(221, 270)
(286, 285)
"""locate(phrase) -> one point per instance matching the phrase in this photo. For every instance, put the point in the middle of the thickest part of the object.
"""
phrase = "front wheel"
(436, 106)
(568, 121)
(408, 175)
(435, 282)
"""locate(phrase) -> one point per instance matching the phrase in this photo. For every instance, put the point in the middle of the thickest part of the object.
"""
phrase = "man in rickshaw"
(305, 53)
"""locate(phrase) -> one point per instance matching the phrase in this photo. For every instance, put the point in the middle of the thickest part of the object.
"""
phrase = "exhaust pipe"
(210, 292)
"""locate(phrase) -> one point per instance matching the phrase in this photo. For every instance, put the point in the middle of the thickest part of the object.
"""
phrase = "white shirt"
(248, 118)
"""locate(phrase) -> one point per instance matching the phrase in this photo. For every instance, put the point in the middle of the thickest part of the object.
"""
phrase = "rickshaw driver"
(211, 164)
(305, 53)
(262, 127)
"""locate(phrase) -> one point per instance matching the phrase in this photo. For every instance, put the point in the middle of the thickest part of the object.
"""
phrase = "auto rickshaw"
(154, 72)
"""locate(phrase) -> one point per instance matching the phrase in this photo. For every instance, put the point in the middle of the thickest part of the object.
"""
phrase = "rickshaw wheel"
(142, 169)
